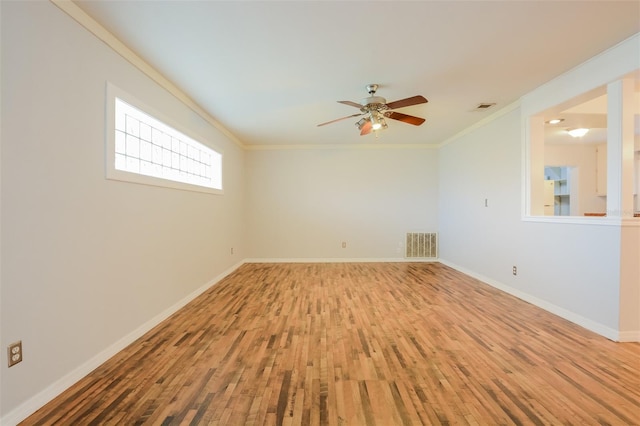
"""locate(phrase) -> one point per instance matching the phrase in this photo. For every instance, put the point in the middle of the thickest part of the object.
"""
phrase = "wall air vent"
(421, 245)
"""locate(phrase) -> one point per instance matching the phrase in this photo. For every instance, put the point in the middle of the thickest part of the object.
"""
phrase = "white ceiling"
(270, 71)
(588, 111)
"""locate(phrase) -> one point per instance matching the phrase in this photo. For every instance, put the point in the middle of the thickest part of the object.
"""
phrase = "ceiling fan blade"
(414, 100)
(366, 128)
(416, 121)
(353, 104)
(338, 119)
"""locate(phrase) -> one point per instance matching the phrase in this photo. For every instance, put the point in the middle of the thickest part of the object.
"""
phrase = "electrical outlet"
(344, 244)
(14, 353)
(231, 250)
(515, 270)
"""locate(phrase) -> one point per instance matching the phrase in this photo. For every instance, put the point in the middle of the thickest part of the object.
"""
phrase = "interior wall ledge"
(578, 220)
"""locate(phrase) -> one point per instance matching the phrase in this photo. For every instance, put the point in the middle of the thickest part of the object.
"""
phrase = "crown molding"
(366, 146)
(91, 25)
(488, 119)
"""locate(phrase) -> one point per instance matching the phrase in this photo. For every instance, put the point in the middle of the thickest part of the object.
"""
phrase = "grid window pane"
(133, 146)
(133, 165)
(145, 145)
(145, 131)
(133, 126)
(146, 168)
(157, 154)
(121, 146)
(156, 136)
(166, 158)
(121, 162)
(120, 120)
(145, 150)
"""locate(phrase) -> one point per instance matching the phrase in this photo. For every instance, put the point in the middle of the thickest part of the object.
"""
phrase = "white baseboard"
(34, 403)
(339, 260)
(609, 333)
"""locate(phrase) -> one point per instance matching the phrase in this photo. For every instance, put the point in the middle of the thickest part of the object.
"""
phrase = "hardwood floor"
(355, 344)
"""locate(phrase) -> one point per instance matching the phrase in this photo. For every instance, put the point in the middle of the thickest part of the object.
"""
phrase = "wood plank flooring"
(358, 344)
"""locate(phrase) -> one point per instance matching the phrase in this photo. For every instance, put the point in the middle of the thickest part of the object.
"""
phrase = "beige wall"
(87, 261)
(630, 282)
(304, 203)
(572, 270)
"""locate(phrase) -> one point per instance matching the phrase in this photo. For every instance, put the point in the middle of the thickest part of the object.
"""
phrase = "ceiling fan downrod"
(373, 102)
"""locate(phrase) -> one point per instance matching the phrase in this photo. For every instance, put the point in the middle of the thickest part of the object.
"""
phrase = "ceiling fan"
(375, 109)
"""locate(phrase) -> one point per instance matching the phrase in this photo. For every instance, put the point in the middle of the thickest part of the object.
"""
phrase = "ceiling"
(588, 111)
(270, 71)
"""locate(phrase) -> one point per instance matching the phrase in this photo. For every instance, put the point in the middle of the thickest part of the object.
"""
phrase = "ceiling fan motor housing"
(373, 103)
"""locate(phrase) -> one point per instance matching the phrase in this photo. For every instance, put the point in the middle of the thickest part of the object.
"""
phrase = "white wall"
(584, 270)
(570, 269)
(305, 203)
(87, 261)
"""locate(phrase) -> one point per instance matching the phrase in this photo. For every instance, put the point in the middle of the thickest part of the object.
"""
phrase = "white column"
(620, 158)
(620, 133)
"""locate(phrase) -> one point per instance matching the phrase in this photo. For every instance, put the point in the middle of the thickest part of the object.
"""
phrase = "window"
(574, 180)
(592, 174)
(143, 149)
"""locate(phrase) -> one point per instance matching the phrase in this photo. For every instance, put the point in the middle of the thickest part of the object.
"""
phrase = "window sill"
(585, 220)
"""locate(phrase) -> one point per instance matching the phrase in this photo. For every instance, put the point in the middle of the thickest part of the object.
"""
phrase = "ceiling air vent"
(484, 106)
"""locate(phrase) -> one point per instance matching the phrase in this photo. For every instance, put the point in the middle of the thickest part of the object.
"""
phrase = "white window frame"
(607, 69)
(170, 126)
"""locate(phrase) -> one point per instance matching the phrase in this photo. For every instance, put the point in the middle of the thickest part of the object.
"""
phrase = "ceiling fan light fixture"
(377, 121)
(362, 122)
(578, 133)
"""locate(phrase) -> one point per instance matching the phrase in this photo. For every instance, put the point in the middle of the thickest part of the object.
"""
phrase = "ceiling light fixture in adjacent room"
(577, 133)
(555, 121)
